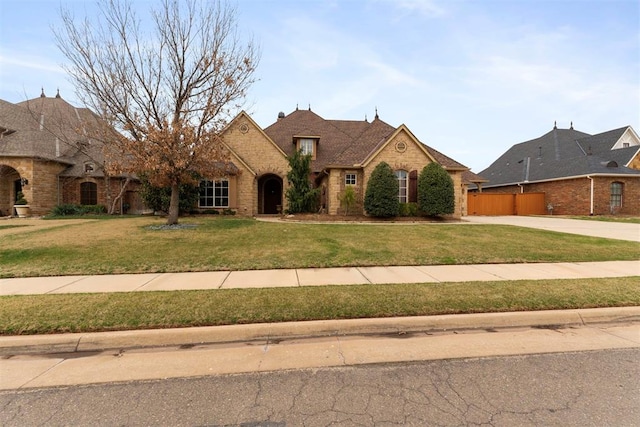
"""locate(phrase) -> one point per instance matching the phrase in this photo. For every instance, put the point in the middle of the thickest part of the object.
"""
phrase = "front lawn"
(130, 245)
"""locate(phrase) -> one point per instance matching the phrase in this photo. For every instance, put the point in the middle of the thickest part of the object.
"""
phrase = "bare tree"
(170, 91)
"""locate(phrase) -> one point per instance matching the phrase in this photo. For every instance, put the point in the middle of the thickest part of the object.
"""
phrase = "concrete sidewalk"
(315, 277)
(592, 228)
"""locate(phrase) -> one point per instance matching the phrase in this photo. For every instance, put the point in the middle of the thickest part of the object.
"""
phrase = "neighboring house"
(580, 174)
(48, 150)
(344, 153)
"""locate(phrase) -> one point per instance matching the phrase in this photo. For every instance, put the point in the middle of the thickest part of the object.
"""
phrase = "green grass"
(4, 227)
(44, 314)
(128, 245)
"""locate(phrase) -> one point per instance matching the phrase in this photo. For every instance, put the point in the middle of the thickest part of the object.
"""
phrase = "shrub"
(20, 200)
(93, 209)
(66, 210)
(69, 209)
(159, 198)
(408, 209)
(435, 191)
(300, 194)
(348, 199)
(381, 197)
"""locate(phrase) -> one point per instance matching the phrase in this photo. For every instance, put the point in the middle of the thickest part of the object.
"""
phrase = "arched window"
(616, 195)
(402, 185)
(88, 193)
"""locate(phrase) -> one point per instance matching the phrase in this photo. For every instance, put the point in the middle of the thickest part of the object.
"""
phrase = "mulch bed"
(363, 218)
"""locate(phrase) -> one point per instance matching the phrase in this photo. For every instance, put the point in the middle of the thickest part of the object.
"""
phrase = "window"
(89, 167)
(88, 193)
(616, 194)
(214, 194)
(350, 179)
(306, 146)
(402, 186)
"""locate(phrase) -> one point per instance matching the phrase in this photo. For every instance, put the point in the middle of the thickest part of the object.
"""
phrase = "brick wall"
(70, 192)
(573, 196)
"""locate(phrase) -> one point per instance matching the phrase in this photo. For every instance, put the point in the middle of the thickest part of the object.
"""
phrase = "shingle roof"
(52, 129)
(342, 143)
(560, 153)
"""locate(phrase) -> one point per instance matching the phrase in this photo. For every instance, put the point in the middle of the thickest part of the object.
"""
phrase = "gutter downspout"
(521, 188)
(590, 196)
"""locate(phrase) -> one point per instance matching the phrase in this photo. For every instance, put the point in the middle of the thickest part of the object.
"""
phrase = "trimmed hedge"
(436, 194)
(381, 197)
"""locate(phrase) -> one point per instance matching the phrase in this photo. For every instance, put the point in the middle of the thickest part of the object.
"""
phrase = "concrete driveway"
(609, 230)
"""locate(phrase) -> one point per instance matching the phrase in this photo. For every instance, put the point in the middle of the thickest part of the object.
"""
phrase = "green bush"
(20, 200)
(348, 199)
(300, 194)
(159, 198)
(436, 194)
(70, 209)
(408, 209)
(381, 196)
(66, 210)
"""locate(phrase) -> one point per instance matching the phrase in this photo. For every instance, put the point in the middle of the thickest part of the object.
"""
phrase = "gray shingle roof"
(52, 129)
(561, 153)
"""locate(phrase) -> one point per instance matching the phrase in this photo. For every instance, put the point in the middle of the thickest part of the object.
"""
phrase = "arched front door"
(270, 194)
(10, 185)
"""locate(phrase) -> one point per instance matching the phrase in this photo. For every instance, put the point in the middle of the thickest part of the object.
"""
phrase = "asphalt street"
(594, 388)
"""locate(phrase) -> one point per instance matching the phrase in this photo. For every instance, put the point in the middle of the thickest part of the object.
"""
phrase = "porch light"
(24, 181)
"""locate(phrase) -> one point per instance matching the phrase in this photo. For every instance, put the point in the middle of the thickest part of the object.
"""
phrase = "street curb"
(103, 341)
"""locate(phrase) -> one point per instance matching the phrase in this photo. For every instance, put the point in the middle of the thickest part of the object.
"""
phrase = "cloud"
(428, 8)
(36, 64)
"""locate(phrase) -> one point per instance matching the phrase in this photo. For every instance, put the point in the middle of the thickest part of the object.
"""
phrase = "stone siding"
(250, 144)
(410, 157)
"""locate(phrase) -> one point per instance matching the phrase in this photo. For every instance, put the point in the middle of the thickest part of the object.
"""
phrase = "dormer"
(308, 144)
(628, 139)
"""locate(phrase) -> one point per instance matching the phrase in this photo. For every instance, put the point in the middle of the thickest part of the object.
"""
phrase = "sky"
(468, 78)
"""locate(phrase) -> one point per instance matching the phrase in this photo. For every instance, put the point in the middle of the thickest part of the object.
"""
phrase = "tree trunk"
(174, 205)
(112, 208)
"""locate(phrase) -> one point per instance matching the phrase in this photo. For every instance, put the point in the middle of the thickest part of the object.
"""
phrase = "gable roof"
(562, 153)
(342, 143)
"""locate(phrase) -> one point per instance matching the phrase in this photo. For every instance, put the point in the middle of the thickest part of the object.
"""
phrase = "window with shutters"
(403, 187)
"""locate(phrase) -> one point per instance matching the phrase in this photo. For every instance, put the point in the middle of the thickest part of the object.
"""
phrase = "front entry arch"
(10, 185)
(270, 194)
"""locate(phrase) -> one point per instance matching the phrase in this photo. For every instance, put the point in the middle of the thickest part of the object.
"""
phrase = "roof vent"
(281, 115)
(612, 164)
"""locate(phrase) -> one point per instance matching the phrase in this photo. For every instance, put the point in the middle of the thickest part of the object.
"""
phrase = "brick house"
(580, 174)
(45, 152)
(344, 153)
